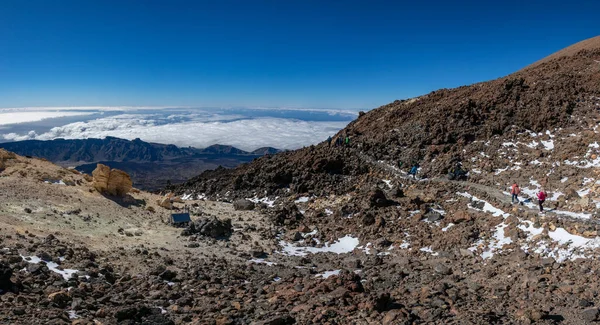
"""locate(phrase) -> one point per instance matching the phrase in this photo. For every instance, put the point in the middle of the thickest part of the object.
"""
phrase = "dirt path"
(493, 192)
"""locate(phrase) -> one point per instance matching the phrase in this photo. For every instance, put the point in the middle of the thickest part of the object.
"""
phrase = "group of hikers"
(454, 173)
(515, 191)
(339, 141)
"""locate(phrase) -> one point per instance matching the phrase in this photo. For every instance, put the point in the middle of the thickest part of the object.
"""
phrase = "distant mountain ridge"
(150, 165)
(119, 150)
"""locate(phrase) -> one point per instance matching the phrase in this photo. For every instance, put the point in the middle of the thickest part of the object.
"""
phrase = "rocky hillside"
(337, 234)
(436, 129)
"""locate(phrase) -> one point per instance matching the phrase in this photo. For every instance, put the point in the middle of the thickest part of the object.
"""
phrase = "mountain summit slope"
(589, 44)
(436, 129)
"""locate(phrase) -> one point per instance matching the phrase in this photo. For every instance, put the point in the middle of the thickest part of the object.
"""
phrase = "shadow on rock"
(126, 201)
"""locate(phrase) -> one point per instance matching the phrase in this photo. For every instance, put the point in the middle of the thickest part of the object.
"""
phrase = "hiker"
(541, 199)
(329, 141)
(347, 140)
(413, 171)
(515, 191)
(400, 164)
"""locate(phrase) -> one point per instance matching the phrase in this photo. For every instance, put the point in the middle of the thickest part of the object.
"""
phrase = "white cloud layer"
(15, 117)
(199, 131)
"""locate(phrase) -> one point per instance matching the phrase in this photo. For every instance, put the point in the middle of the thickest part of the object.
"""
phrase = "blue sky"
(318, 54)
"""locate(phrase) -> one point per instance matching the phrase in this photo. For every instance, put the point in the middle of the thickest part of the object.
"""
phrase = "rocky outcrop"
(111, 182)
(168, 200)
(210, 227)
(4, 157)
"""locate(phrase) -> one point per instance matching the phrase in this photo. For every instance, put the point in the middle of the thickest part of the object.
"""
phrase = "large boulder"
(4, 157)
(5, 274)
(286, 215)
(243, 205)
(112, 182)
(210, 227)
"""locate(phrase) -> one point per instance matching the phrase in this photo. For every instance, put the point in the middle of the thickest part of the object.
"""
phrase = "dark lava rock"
(442, 269)
(478, 204)
(377, 198)
(5, 274)
(433, 216)
(278, 320)
(243, 204)
(287, 215)
(210, 227)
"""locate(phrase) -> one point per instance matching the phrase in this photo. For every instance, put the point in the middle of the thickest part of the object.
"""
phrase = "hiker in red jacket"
(514, 191)
(541, 198)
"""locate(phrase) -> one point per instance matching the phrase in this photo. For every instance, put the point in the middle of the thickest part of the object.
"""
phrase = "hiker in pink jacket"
(541, 198)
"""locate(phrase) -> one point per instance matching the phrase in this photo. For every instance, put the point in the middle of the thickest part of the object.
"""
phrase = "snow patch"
(343, 245)
(66, 273)
(327, 274)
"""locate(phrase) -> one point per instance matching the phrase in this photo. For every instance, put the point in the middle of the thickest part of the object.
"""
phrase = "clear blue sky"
(320, 54)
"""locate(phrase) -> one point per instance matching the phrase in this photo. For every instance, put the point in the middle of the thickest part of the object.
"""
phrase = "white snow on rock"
(264, 200)
(487, 207)
(261, 261)
(343, 245)
(428, 250)
(388, 182)
(327, 274)
(66, 273)
(533, 144)
(448, 227)
(497, 242)
(59, 182)
(303, 199)
(404, 245)
(548, 145)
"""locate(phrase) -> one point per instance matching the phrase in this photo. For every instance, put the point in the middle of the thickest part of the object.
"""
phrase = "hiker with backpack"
(514, 192)
(541, 199)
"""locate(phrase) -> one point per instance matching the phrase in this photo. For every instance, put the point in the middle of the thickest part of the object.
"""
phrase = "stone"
(210, 227)
(590, 314)
(5, 274)
(460, 216)
(442, 269)
(466, 253)
(60, 299)
(278, 320)
(433, 216)
(113, 182)
(243, 205)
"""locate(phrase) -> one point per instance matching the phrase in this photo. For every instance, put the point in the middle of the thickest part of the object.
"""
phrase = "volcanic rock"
(112, 182)
(243, 204)
(210, 227)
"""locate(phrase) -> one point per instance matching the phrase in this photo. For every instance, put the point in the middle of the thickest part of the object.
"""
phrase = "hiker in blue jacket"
(413, 171)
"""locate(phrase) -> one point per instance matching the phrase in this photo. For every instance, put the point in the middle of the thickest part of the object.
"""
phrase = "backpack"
(541, 196)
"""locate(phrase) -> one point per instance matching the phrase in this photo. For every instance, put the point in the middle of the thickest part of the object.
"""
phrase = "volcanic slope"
(436, 129)
(453, 251)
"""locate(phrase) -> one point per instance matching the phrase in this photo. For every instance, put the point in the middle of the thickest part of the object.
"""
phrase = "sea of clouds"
(244, 128)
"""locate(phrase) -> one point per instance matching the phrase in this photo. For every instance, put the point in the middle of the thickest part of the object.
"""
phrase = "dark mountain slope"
(435, 129)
